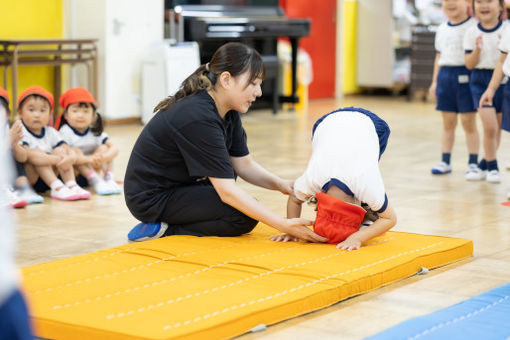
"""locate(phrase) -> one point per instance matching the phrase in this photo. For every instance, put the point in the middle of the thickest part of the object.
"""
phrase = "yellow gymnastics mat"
(184, 287)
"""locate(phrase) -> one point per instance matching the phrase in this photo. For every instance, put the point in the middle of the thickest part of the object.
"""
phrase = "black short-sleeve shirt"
(179, 146)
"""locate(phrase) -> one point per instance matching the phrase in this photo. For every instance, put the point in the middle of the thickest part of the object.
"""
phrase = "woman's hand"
(298, 227)
(284, 238)
(286, 186)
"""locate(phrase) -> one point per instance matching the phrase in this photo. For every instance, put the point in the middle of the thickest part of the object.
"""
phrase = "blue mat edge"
(460, 321)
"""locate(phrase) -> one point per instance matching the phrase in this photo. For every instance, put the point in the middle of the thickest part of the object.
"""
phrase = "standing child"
(450, 83)
(82, 129)
(481, 44)
(501, 71)
(47, 151)
(343, 173)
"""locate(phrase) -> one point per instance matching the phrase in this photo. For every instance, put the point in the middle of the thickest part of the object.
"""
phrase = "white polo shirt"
(489, 55)
(48, 140)
(449, 42)
(345, 147)
(86, 141)
(504, 47)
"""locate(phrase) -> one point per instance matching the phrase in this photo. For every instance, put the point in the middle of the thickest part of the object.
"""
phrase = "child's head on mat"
(181, 176)
(79, 111)
(341, 174)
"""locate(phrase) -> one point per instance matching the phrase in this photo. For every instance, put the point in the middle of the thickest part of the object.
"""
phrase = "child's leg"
(472, 137)
(447, 140)
(490, 142)
(448, 137)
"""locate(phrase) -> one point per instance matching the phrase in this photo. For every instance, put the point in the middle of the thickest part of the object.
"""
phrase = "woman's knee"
(241, 223)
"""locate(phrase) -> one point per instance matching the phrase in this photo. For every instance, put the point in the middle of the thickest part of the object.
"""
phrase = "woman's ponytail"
(201, 79)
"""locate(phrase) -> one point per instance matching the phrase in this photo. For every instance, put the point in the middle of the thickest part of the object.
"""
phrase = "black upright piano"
(256, 23)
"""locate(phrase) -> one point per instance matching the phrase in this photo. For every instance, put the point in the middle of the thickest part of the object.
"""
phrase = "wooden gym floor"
(446, 205)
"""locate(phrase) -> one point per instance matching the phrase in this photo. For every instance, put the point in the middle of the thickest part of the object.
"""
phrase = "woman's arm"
(234, 196)
(497, 77)
(387, 220)
(253, 173)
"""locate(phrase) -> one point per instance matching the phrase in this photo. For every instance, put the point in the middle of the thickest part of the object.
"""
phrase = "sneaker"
(441, 169)
(29, 195)
(12, 199)
(147, 231)
(493, 176)
(114, 187)
(102, 188)
(474, 173)
(82, 193)
(64, 194)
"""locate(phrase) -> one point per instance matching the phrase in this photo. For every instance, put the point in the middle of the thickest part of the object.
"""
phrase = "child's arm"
(497, 77)
(472, 59)
(38, 157)
(433, 85)
(67, 156)
(111, 152)
(387, 220)
(293, 207)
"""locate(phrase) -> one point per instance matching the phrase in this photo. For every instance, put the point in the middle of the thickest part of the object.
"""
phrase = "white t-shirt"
(48, 140)
(489, 55)
(504, 46)
(86, 142)
(345, 147)
(449, 40)
(8, 273)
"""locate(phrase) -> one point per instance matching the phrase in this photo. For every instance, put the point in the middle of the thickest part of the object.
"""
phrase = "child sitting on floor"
(24, 194)
(82, 128)
(47, 151)
(342, 174)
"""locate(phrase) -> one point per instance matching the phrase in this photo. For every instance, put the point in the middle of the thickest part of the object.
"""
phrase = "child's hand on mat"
(297, 227)
(350, 243)
(284, 238)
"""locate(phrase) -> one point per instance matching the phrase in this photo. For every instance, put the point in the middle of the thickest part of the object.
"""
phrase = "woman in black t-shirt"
(180, 179)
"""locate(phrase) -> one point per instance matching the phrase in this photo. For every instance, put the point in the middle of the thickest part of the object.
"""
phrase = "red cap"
(39, 91)
(336, 219)
(4, 95)
(76, 95)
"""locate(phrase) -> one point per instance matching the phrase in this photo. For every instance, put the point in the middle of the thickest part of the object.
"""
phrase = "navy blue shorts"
(505, 121)
(480, 79)
(452, 91)
(14, 321)
(381, 127)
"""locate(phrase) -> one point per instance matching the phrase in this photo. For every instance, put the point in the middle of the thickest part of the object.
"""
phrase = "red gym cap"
(39, 91)
(336, 219)
(76, 95)
(4, 95)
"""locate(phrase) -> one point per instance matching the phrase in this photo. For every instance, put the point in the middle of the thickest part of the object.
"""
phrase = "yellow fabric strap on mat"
(188, 287)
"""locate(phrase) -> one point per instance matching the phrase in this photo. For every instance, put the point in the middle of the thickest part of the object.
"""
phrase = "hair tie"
(207, 67)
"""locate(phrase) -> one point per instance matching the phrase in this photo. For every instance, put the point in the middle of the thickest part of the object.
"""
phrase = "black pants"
(198, 210)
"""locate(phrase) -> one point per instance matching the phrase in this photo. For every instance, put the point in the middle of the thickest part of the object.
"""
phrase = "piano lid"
(215, 21)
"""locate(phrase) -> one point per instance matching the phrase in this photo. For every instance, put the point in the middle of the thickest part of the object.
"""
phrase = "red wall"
(320, 44)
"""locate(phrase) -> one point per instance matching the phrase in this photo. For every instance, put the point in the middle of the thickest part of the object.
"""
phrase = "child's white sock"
(56, 184)
(109, 176)
(71, 183)
(93, 177)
